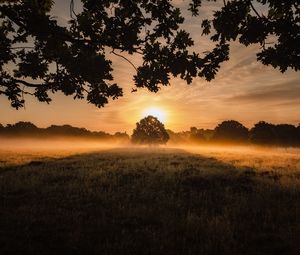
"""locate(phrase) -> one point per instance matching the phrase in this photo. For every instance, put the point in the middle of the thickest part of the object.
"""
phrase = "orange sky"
(244, 90)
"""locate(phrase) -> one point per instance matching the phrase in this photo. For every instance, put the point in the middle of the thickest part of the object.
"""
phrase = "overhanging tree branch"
(80, 50)
(27, 84)
(125, 59)
(252, 7)
(21, 47)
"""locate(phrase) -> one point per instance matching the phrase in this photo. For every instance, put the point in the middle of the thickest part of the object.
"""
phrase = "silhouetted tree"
(20, 128)
(196, 135)
(149, 130)
(23, 126)
(263, 133)
(173, 136)
(74, 58)
(230, 131)
(121, 136)
(298, 135)
(28, 129)
(286, 134)
(66, 130)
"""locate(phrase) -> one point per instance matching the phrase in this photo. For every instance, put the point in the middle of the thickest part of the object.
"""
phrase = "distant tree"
(193, 129)
(286, 134)
(173, 136)
(196, 135)
(20, 128)
(178, 137)
(208, 134)
(298, 135)
(23, 126)
(230, 131)
(150, 130)
(101, 134)
(39, 56)
(263, 133)
(121, 136)
(66, 130)
(2, 128)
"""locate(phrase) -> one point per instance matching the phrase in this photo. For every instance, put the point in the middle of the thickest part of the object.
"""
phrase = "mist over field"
(240, 155)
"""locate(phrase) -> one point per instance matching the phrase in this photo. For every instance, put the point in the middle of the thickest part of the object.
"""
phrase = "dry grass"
(150, 201)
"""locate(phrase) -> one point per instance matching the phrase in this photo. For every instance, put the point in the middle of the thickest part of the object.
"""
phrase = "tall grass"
(150, 201)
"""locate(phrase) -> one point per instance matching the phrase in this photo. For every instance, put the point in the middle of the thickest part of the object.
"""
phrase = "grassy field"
(150, 201)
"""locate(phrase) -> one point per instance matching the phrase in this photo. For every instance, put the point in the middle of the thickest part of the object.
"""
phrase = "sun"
(155, 112)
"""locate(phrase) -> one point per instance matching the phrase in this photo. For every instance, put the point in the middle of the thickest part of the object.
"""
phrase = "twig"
(124, 58)
(254, 9)
(21, 47)
(22, 90)
(27, 84)
(72, 9)
(3, 92)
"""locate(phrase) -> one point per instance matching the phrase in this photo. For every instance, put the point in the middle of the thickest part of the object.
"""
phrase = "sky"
(244, 90)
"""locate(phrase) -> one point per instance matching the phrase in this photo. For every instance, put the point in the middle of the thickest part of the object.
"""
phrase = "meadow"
(100, 199)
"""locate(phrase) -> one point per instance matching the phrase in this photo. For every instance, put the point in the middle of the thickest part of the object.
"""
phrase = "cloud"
(281, 92)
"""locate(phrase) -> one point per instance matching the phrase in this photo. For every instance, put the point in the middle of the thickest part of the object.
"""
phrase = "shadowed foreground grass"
(147, 202)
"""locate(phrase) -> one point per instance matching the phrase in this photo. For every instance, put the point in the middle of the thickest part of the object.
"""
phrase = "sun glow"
(155, 112)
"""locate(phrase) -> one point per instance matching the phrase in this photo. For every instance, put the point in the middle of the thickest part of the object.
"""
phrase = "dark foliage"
(196, 134)
(276, 29)
(286, 134)
(45, 57)
(22, 126)
(150, 131)
(263, 133)
(282, 134)
(27, 129)
(74, 59)
(231, 131)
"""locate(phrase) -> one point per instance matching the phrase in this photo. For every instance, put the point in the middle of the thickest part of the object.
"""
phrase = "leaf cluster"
(276, 30)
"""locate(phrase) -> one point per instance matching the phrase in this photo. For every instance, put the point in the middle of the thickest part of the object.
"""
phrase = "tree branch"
(124, 58)
(3, 92)
(21, 47)
(252, 7)
(72, 9)
(13, 17)
(27, 84)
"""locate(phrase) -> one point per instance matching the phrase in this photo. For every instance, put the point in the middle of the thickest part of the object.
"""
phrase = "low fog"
(25, 149)
(81, 145)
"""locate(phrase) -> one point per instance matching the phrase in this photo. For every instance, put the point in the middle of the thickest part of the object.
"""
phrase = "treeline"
(233, 132)
(27, 129)
(227, 132)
